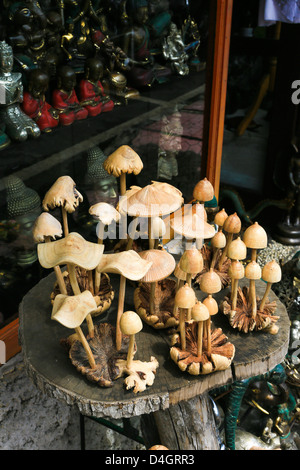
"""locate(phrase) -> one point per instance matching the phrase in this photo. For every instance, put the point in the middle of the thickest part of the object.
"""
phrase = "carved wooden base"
(241, 318)
(222, 351)
(105, 354)
(163, 304)
(139, 374)
(103, 298)
(222, 271)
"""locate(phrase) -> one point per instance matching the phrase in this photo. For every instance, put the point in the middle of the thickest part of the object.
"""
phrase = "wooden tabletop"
(48, 365)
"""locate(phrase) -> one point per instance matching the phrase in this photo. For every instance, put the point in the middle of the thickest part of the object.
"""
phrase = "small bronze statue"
(64, 98)
(92, 95)
(18, 125)
(35, 104)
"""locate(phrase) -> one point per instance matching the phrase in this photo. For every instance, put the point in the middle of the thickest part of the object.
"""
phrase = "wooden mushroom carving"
(105, 214)
(63, 193)
(192, 226)
(203, 191)
(185, 299)
(271, 273)
(139, 374)
(232, 225)
(253, 273)
(122, 161)
(191, 262)
(236, 272)
(45, 229)
(220, 218)
(210, 284)
(200, 314)
(255, 238)
(218, 242)
(154, 297)
(73, 250)
(71, 312)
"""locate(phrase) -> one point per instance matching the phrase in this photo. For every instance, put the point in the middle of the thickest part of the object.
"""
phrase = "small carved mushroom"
(71, 311)
(45, 229)
(220, 218)
(255, 237)
(210, 284)
(203, 191)
(232, 225)
(185, 299)
(218, 243)
(63, 193)
(271, 273)
(191, 262)
(236, 272)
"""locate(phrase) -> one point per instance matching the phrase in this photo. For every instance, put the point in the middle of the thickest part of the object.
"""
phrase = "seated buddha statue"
(34, 102)
(64, 97)
(91, 93)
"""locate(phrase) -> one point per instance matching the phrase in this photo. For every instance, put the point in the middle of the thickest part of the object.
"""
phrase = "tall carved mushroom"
(45, 229)
(203, 191)
(220, 218)
(185, 299)
(73, 250)
(191, 262)
(124, 160)
(253, 273)
(200, 314)
(63, 193)
(210, 284)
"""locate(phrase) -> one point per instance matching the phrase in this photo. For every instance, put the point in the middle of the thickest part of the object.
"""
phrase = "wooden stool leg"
(189, 425)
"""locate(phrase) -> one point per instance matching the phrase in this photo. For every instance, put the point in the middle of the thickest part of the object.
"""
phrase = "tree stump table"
(177, 402)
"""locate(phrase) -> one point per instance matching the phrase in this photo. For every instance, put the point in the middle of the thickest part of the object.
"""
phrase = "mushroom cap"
(153, 200)
(181, 275)
(127, 263)
(191, 261)
(255, 237)
(236, 270)
(46, 226)
(104, 212)
(253, 271)
(211, 304)
(73, 249)
(163, 264)
(210, 282)
(158, 227)
(232, 224)
(130, 323)
(123, 160)
(192, 226)
(203, 191)
(200, 312)
(219, 240)
(198, 209)
(122, 203)
(271, 272)
(237, 249)
(63, 193)
(185, 297)
(71, 310)
(220, 217)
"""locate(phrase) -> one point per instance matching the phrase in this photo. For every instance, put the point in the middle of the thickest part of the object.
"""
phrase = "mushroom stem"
(123, 183)
(132, 233)
(100, 234)
(152, 296)
(91, 283)
(208, 333)
(86, 346)
(58, 274)
(182, 328)
(263, 301)
(130, 351)
(252, 297)
(65, 221)
(180, 283)
(151, 241)
(253, 254)
(120, 311)
(60, 280)
(229, 238)
(77, 291)
(234, 294)
(199, 339)
(214, 257)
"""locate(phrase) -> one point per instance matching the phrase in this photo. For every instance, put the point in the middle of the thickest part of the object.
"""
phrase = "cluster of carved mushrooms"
(214, 257)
